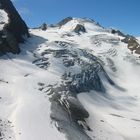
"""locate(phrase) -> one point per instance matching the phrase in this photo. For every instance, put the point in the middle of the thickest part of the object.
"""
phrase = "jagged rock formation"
(113, 31)
(66, 110)
(44, 27)
(79, 28)
(13, 32)
(133, 44)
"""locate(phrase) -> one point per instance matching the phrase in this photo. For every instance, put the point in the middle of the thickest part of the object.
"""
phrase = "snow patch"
(3, 19)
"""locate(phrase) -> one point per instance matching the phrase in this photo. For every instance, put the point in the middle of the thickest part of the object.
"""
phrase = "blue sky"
(120, 14)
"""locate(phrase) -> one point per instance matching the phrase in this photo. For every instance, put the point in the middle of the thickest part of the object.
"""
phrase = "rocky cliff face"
(14, 31)
(132, 42)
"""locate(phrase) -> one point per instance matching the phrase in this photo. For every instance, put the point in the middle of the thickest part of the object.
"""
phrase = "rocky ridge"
(13, 32)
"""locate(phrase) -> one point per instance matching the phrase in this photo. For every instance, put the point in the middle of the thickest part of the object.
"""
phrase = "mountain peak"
(78, 20)
(70, 23)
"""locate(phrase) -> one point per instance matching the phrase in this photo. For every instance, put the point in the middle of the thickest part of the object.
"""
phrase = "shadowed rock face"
(14, 32)
(44, 27)
(113, 31)
(79, 28)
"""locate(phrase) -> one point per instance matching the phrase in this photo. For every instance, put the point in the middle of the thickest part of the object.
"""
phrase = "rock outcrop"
(44, 27)
(79, 28)
(13, 32)
(133, 44)
(113, 31)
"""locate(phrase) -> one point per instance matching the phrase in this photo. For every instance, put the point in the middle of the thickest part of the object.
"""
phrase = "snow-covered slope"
(138, 39)
(89, 24)
(3, 19)
(67, 85)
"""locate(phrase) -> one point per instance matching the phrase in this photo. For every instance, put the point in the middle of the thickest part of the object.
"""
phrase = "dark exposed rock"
(44, 27)
(64, 21)
(69, 103)
(113, 31)
(85, 81)
(52, 25)
(5, 128)
(132, 42)
(68, 62)
(66, 110)
(60, 53)
(56, 53)
(42, 63)
(11, 42)
(133, 45)
(79, 28)
(17, 26)
(67, 113)
(13, 32)
(65, 121)
(62, 43)
(3, 81)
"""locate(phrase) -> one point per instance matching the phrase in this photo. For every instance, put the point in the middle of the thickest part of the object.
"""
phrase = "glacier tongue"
(65, 85)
